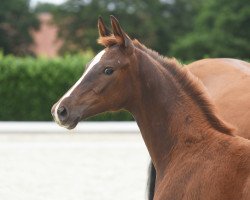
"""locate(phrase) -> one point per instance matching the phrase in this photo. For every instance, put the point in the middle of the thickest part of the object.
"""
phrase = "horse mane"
(192, 86)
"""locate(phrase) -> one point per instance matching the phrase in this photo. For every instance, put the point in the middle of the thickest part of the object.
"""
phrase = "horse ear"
(120, 34)
(103, 30)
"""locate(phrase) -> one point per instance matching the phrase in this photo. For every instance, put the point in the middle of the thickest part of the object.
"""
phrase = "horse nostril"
(62, 113)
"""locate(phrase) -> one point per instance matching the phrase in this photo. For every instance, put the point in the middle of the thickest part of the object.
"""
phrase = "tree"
(45, 7)
(156, 23)
(16, 21)
(222, 29)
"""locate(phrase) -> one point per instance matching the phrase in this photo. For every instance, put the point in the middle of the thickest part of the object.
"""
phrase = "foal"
(193, 150)
(231, 100)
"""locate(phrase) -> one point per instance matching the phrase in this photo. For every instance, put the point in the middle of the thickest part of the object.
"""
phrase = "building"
(46, 42)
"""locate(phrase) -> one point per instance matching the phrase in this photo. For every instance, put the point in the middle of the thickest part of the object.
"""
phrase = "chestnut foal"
(227, 81)
(194, 151)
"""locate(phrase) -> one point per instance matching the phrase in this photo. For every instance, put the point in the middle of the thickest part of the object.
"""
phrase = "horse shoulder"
(241, 152)
(246, 185)
(246, 190)
(224, 168)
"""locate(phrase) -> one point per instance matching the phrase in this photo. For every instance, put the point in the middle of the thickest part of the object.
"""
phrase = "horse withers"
(194, 151)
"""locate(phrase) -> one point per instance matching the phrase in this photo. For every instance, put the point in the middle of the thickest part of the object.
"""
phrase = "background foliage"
(30, 86)
(16, 21)
(186, 29)
(221, 29)
(155, 23)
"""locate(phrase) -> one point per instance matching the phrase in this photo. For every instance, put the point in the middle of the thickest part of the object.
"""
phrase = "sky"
(34, 2)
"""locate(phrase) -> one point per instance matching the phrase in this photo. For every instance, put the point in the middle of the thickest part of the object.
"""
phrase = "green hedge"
(30, 86)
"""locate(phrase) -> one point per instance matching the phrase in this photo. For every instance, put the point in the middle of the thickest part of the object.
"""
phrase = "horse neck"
(166, 114)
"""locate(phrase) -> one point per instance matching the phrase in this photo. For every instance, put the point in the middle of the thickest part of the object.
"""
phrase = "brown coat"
(228, 83)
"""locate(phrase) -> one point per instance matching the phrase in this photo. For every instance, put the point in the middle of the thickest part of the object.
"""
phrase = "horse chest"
(177, 185)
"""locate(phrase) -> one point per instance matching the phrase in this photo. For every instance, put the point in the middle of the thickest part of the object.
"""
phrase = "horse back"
(227, 82)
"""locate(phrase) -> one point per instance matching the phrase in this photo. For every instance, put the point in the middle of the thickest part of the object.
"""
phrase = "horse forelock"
(109, 41)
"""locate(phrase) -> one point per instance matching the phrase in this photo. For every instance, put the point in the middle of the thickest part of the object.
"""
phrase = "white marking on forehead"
(95, 60)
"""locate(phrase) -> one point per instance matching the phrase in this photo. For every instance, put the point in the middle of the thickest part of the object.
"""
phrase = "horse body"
(195, 152)
(204, 175)
(227, 82)
(191, 156)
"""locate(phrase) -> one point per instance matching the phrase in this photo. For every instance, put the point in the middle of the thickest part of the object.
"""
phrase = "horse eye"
(108, 71)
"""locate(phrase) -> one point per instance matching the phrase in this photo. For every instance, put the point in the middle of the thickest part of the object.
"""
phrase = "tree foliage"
(221, 29)
(156, 23)
(16, 21)
(45, 8)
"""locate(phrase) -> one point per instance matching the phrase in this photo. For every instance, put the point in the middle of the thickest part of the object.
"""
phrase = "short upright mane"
(192, 86)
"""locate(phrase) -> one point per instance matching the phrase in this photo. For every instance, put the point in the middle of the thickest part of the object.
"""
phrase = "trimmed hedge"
(30, 86)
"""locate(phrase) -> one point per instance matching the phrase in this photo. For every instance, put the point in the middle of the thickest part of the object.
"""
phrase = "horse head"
(106, 84)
